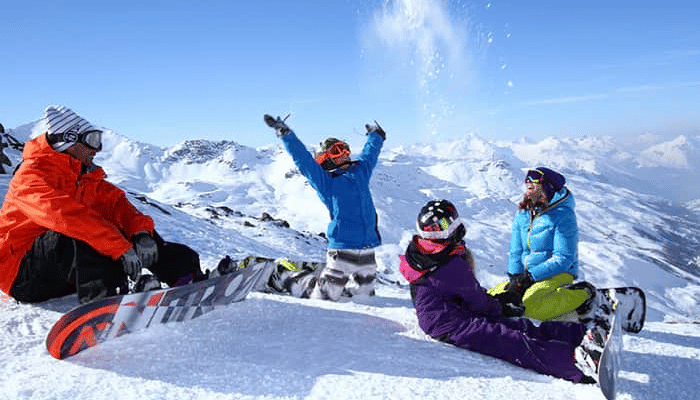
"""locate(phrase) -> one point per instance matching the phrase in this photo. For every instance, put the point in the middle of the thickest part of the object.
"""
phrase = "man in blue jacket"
(343, 187)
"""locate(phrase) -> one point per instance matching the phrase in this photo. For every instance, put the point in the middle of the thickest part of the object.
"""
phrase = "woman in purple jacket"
(452, 306)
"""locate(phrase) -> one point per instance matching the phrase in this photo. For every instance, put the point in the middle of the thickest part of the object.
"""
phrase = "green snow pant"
(550, 298)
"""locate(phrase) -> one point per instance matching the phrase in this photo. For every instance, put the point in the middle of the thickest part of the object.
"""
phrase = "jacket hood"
(563, 198)
(39, 148)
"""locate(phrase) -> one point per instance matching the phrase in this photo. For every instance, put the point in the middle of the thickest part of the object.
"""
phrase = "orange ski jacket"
(49, 192)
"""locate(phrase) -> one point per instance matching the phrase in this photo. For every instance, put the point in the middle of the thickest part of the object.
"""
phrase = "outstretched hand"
(278, 124)
(376, 128)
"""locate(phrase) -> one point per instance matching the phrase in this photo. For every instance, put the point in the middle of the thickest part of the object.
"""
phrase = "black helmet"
(439, 220)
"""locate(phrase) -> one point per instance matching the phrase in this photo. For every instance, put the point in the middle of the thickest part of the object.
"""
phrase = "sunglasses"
(534, 176)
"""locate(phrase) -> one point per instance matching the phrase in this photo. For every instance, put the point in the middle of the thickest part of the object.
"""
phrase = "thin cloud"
(568, 99)
(683, 53)
(602, 96)
(654, 88)
(641, 88)
(687, 84)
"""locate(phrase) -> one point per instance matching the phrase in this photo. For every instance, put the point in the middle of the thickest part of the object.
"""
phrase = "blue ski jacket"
(545, 242)
(344, 192)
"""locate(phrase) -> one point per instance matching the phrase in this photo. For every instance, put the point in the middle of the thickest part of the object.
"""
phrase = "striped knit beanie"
(64, 126)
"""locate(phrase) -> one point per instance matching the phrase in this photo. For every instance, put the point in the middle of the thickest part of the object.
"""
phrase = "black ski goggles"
(91, 139)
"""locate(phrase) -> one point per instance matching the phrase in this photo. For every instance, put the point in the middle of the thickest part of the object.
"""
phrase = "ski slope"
(212, 196)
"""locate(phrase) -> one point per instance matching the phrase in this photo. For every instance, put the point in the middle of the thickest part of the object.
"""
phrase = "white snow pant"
(350, 272)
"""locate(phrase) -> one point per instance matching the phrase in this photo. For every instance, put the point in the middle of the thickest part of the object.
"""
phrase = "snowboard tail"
(611, 358)
(90, 324)
(80, 328)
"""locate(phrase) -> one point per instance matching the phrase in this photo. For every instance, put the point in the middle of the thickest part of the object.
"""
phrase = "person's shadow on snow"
(661, 376)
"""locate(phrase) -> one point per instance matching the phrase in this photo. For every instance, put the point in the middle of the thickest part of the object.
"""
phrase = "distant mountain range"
(638, 204)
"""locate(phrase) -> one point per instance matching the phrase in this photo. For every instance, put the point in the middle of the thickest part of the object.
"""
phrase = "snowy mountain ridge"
(226, 198)
(620, 207)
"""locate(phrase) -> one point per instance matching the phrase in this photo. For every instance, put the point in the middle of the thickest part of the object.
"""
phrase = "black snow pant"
(58, 265)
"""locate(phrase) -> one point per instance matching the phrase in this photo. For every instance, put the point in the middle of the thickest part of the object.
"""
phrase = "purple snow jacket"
(452, 307)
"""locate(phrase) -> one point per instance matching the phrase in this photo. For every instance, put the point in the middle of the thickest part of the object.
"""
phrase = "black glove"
(510, 307)
(146, 248)
(278, 124)
(509, 298)
(376, 128)
(519, 283)
(131, 263)
(512, 310)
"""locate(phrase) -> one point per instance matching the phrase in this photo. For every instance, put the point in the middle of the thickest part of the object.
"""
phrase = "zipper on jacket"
(529, 231)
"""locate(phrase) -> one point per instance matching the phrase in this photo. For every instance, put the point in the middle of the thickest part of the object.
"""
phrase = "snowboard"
(610, 359)
(90, 324)
(630, 305)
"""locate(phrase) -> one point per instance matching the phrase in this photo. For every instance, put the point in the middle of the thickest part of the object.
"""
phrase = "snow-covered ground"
(638, 217)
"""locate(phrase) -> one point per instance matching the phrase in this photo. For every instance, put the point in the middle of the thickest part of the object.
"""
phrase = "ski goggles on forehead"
(534, 176)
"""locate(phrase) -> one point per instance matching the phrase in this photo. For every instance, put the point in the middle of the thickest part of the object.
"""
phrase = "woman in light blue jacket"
(343, 187)
(543, 260)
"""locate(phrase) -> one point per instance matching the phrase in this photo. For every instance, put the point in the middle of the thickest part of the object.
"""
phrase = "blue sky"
(165, 71)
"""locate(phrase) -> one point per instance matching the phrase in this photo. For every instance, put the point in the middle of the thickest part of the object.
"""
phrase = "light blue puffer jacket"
(345, 193)
(545, 243)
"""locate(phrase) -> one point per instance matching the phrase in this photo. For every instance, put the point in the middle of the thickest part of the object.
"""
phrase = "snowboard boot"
(225, 266)
(587, 354)
(281, 276)
(145, 283)
(586, 364)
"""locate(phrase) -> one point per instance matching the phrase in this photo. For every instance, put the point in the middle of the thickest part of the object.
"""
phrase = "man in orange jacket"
(65, 229)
